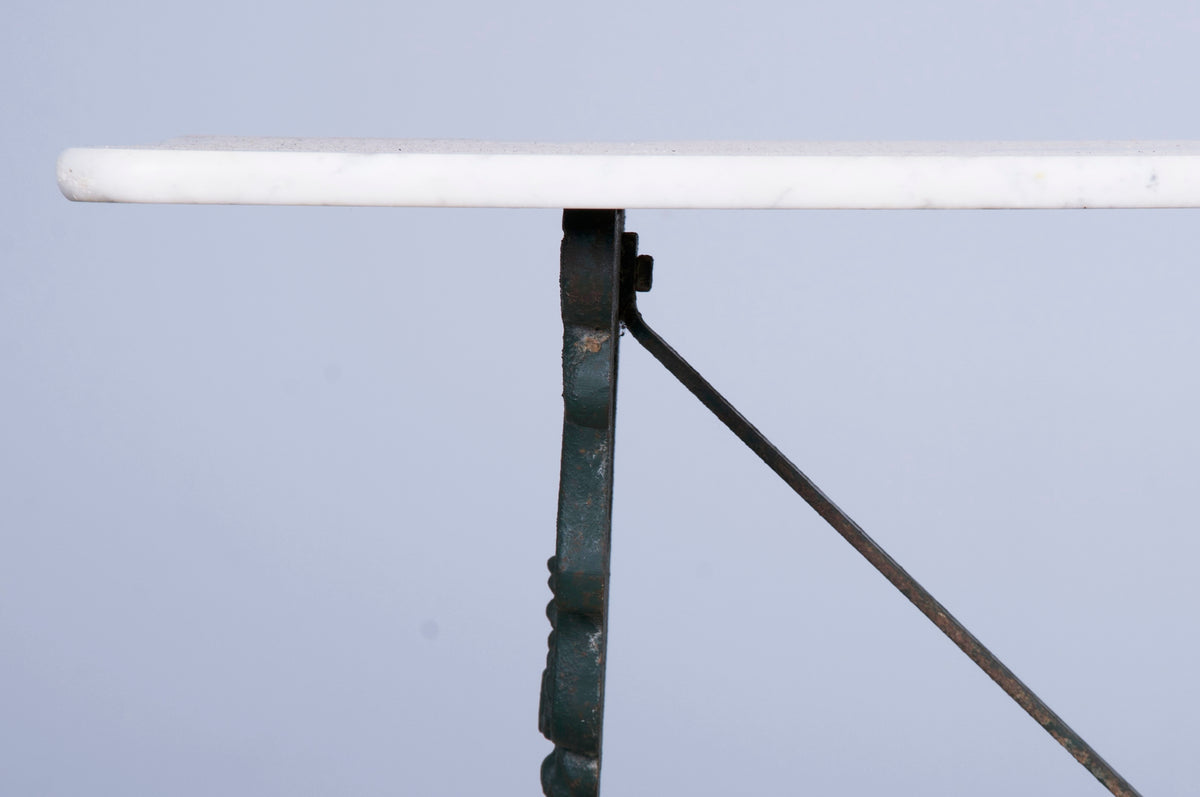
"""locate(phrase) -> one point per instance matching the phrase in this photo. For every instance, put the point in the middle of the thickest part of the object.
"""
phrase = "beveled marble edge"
(799, 175)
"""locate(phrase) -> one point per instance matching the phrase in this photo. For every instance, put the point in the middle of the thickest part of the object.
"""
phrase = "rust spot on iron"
(593, 343)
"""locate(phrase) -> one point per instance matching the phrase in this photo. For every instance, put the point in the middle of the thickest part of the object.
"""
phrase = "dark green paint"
(572, 706)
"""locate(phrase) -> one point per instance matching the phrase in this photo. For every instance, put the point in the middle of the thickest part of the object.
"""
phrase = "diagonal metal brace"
(854, 534)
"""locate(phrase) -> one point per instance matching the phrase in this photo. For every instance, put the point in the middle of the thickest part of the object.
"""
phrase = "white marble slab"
(448, 173)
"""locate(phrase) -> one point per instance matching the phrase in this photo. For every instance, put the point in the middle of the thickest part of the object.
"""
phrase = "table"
(785, 175)
(601, 273)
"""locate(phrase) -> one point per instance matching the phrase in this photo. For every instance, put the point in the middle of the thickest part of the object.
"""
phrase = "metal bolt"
(643, 273)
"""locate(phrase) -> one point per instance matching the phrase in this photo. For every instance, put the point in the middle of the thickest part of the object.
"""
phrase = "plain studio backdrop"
(277, 485)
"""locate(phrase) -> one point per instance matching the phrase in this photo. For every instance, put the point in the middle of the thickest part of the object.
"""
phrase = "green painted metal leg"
(572, 705)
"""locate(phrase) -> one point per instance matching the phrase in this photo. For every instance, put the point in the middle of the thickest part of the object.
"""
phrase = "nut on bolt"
(643, 273)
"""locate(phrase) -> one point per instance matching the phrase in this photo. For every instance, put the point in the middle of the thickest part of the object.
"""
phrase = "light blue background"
(277, 485)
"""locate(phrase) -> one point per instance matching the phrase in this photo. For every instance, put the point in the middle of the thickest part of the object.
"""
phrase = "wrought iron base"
(601, 275)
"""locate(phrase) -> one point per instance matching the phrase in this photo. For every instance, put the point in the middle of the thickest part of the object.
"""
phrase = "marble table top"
(798, 175)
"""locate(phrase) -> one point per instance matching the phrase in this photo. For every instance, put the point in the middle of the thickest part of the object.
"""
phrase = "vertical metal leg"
(572, 706)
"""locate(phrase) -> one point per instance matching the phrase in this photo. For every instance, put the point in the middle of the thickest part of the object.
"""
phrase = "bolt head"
(643, 273)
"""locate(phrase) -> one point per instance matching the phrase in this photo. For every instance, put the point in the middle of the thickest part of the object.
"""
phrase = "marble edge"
(272, 177)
